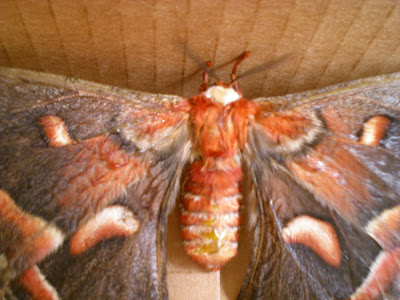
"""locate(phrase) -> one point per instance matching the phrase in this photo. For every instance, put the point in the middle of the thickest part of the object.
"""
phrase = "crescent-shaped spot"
(38, 238)
(384, 272)
(374, 130)
(318, 235)
(112, 221)
(37, 285)
(55, 131)
(385, 228)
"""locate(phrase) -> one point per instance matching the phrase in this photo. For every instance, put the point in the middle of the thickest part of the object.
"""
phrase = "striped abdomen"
(210, 213)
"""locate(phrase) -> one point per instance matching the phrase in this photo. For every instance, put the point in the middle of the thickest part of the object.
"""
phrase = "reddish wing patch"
(243, 112)
(282, 128)
(157, 122)
(336, 177)
(97, 175)
(288, 131)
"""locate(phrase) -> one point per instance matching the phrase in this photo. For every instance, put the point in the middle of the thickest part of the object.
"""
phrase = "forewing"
(71, 151)
(325, 173)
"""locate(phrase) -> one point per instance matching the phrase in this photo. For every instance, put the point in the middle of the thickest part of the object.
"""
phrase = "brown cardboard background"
(141, 45)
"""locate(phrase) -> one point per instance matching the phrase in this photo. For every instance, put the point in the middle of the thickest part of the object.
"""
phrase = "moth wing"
(324, 174)
(72, 154)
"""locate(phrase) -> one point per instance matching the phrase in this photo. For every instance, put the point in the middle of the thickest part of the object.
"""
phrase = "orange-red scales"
(212, 194)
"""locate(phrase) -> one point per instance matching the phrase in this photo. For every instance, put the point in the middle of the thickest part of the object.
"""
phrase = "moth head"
(221, 94)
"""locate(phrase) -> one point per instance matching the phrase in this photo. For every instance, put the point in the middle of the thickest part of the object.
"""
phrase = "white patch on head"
(222, 95)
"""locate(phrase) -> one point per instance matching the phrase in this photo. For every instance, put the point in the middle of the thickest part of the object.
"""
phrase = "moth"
(89, 173)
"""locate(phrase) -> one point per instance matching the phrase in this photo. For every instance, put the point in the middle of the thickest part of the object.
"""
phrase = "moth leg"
(385, 229)
(32, 239)
(115, 220)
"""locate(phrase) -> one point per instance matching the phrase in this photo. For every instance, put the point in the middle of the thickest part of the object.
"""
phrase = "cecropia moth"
(88, 174)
